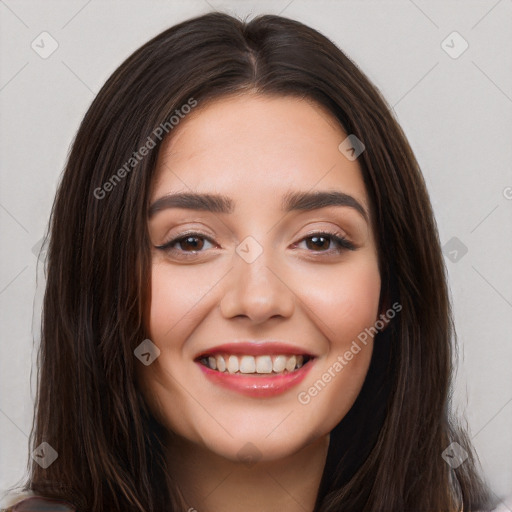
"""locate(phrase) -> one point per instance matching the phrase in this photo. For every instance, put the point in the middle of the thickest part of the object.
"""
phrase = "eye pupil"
(195, 245)
(315, 239)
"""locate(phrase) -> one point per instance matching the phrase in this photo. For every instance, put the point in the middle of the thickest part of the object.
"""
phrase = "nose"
(257, 291)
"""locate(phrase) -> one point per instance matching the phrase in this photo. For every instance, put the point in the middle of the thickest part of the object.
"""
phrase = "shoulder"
(35, 503)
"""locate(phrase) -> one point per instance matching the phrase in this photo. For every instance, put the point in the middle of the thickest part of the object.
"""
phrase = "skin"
(254, 149)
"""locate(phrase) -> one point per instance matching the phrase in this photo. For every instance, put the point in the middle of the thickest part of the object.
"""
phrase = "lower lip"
(257, 386)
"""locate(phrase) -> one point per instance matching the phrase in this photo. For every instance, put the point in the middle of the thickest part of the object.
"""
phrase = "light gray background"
(455, 112)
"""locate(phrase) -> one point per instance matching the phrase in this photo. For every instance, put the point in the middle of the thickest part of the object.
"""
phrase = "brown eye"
(186, 245)
(193, 243)
(321, 242)
(318, 242)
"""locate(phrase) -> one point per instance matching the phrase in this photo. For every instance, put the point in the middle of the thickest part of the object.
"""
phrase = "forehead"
(257, 143)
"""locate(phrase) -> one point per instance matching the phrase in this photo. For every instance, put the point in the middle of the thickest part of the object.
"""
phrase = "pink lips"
(256, 385)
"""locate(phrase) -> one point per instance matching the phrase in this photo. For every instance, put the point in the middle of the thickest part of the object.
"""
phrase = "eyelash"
(343, 243)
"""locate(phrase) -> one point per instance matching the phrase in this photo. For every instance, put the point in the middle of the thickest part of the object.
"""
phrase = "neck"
(209, 482)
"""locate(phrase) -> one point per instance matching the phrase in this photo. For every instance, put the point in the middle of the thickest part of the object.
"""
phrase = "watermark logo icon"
(454, 455)
(454, 250)
(454, 45)
(351, 147)
(39, 250)
(44, 45)
(147, 352)
(44, 455)
(249, 249)
(249, 454)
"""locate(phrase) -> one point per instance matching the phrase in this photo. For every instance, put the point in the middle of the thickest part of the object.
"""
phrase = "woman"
(246, 303)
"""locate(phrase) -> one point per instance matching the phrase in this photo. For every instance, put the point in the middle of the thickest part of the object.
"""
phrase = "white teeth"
(279, 364)
(221, 364)
(232, 364)
(290, 364)
(264, 364)
(247, 364)
(254, 365)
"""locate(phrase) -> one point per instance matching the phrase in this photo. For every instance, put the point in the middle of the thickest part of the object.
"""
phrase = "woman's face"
(255, 284)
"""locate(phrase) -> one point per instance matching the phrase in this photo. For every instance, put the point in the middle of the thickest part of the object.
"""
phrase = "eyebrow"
(292, 201)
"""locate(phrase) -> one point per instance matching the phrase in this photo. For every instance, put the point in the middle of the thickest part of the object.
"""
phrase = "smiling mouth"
(267, 365)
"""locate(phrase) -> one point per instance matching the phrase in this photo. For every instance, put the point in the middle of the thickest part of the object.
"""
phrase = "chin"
(250, 449)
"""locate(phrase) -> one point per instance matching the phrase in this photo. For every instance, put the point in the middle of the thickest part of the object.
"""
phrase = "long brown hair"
(386, 454)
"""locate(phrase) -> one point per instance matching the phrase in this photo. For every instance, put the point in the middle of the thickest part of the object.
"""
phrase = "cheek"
(355, 307)
(176, 294)
(346, 307)
(343, 299)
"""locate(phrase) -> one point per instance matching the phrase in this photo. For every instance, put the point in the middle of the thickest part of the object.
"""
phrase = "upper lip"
(255, 348)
